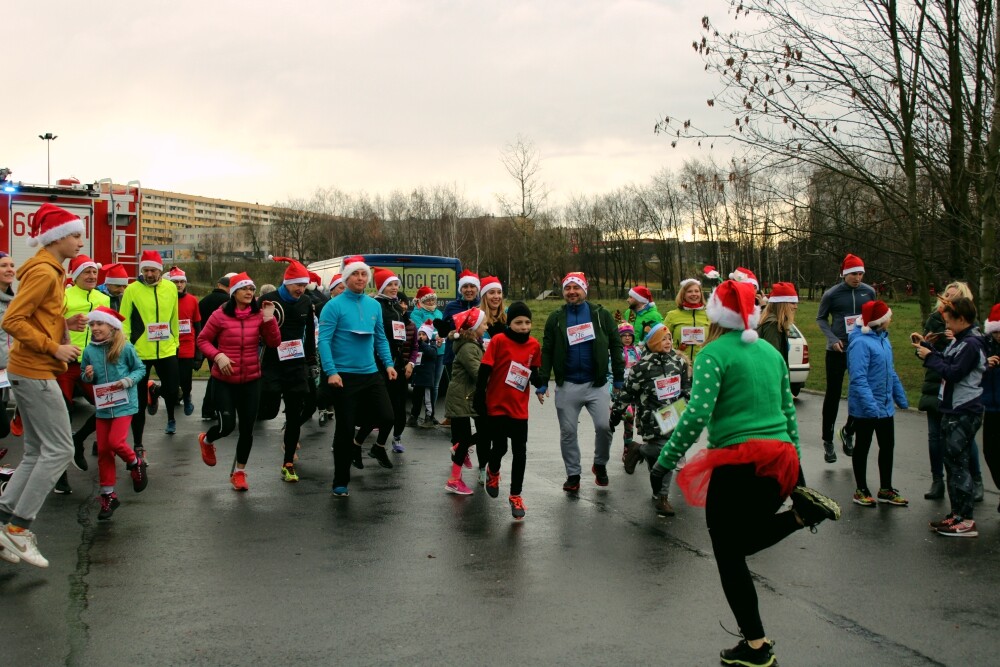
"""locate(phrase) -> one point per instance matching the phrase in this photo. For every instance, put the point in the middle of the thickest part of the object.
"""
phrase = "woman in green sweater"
(740, 390)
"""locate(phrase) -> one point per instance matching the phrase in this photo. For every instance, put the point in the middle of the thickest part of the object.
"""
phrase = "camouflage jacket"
(640, 390)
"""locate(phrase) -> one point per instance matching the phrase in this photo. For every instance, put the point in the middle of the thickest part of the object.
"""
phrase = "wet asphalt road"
(191, 572)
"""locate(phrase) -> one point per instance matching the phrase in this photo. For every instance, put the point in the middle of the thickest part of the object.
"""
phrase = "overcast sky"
(261, 101)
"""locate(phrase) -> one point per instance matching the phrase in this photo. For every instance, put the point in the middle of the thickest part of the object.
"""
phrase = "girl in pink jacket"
(231, 340)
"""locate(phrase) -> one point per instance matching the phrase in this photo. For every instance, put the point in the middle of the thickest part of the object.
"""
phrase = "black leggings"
(500, 429)
(991, 444)
(234, 401)
(463, 438)
(884, 430)
(740, 512)
(166, 369)
(362, 398)
(397, 398)
(836, 367)
(185, 371)
(299, 407)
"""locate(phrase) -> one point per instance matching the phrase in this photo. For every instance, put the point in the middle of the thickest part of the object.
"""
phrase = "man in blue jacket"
(348, 326)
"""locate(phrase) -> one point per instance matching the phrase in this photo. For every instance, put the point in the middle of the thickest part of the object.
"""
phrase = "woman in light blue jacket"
(872, 395)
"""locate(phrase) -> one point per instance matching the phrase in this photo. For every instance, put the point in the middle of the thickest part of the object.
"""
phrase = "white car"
(798, 359)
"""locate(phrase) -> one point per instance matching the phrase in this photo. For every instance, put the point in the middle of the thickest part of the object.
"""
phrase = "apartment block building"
(166, 215)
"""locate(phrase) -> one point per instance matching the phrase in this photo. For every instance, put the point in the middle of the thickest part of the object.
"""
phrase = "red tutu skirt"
(772, 458)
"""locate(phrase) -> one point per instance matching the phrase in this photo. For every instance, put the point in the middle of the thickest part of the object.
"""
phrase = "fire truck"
(110, 214)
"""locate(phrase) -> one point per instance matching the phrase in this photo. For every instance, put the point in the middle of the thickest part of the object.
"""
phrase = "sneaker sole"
(893, 502)
(773, 662)
(457, 492)
(345, 494)
(815, 497)
(863, 503)
(968, 533)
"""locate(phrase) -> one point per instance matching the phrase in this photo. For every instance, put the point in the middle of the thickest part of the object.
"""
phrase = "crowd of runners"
(718, 361)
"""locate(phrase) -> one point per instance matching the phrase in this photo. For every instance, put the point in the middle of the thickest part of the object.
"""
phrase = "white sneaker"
(9, 556)
(24, 545)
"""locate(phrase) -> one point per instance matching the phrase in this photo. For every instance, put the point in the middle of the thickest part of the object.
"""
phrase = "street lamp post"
(48, 138)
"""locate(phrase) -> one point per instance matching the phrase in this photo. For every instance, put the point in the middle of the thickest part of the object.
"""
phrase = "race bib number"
(668, 387)
(668, 416)
(693, 335)
(580, 333)
(420, 357)
(158, 331)
(184, 326)
(4, 381)
(110, 395)
(291, 349)
(398, 330)
(850, 322)
(517, 376)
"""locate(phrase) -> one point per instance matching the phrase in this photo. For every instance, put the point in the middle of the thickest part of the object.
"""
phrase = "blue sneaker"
(340, 492)
(171, 427)
(188, 408)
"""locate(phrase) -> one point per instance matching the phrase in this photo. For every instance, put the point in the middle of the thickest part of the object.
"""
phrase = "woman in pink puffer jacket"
(231, 341)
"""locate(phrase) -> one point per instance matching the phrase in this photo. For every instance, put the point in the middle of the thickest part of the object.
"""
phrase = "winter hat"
(425, 292)
(689, 281)
(783, 293)
(468, 278)
(742, 275)
(577, 278)
(338, 279)
(873, 314)
(711, 272)
(230, 275)
(383, 278)
(175, 274)
(295, 274)
(428, 329)
(470, 319)
(106, 315)
(641, 294)
(150, 259)
(352, 264)
(488, 283)
(52, 223)
(626, 328)
(852, 264)
(655, 334)
(238, 281)
(993, 321)
(314, 280)
(81, 263)
(732, 306)
(518, 309)
(114, 274)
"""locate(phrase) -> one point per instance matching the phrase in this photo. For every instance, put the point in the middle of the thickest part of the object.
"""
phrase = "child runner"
(660, 379)
(630, 355)
(113, 366)
(871, 391)
(510, 366)
(471, 326)
(740, 390)
(423, 376)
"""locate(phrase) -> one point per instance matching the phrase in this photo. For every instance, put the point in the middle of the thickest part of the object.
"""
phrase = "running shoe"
(941, 523)
(516, 507)
(937, 489)
(397, 446)
(812, 507)
(62, 486)
(8, 555)
(16, 425)
(188, 408)
(79, 455)
(239, 481)
(410, 421)
(379, 454)
(288, 473)
(863, 497)
(742, 654)
(492, 483)
(207, 449)
(959, 528)
(458, 487)
(892, 497)
(633, 455)
(152, 397)
(340, 492)
(22, 544)
(847, 441)
(600, 474)
(171, 427)
(829, 453)
(572, 484)
(138, 472)
(109, 503)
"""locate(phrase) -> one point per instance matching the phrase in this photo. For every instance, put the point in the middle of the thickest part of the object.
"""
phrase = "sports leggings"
(463, 438)
(234, 401)
(501, 428)
(884, 430)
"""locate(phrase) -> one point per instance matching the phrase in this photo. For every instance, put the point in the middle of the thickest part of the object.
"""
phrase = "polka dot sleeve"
(707, 380)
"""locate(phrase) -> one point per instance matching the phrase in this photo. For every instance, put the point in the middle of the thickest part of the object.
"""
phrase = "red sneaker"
(16, 427)
(207, 450)
(239, 480)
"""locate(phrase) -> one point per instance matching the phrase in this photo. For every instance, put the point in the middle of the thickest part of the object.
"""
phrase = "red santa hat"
(732, 305)
(641, 294)
(425, 292)
(742, 275)
(338, 279)
(176, 274)
(295, 274)
(150, 259)
(52, 223)
(711, 272)
(873, 314)
(576, 278)
(114, 274)
(852, 264)
(468, 278)
(783, 293)
(469, 319)
(993, 321)
(384, 278)
(314, 280)
(81, 263)
(238, 281)
(488, 283)
(106, 315)
(352, 264)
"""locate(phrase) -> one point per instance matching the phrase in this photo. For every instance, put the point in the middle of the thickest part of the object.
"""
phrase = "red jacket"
(239, 339)
(188, 317)
(503, 398)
